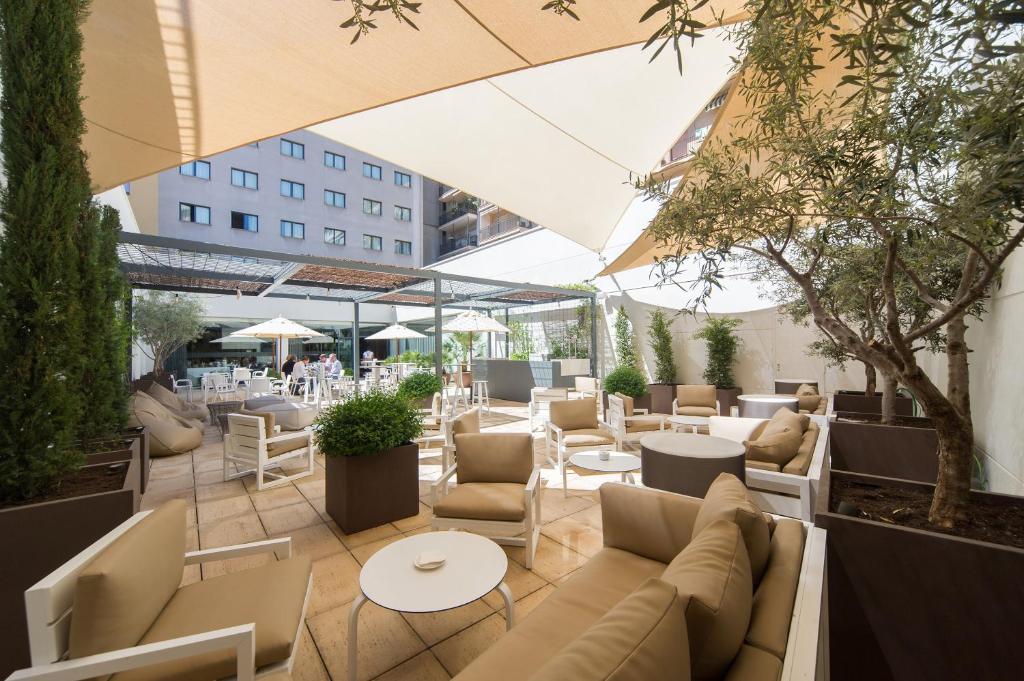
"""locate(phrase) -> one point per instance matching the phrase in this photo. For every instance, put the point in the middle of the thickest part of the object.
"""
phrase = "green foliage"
(625, 348)
(167, 322)
(722, 345)
(420, 359)
(368, 424)
(520, 341)
(43, 207)
(627, 380)
(419, 385)
(660, 336)
(456, 347)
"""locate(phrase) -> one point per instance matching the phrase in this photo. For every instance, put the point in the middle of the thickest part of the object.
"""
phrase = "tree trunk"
(870, 379)
(889, 385)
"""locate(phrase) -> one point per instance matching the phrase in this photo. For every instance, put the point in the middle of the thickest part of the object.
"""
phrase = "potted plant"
(629, 381)
(722, 346)
(372, 461)
(419, 388)
(663, 390)
(165, 322)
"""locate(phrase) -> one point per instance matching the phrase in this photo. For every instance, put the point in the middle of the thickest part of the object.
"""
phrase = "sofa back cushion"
(777, 448)
(637, 640)
(713, 571)
(806, 390)
(467, 422)
(578, 414)
(696, 396)
(120, 593)
(494, 457)
(784, 418)
(727, 499)
(627, 404)
(645, 521)
(801, 463)
(268, 420)
(773, 601)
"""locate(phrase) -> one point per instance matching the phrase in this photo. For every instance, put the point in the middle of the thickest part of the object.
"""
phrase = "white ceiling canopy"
(557, 144)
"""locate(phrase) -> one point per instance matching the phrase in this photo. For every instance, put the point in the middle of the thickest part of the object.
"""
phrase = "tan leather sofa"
(809, 401)
(169, 433)
(715, 571)
(188, 410)
(695, 400)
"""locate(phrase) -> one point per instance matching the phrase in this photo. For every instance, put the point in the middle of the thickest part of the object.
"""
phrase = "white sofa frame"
(49, 606)
(541, 398)
(617, 420)
(777, 492)
(525, 532)
(807, 645)
(245, 445)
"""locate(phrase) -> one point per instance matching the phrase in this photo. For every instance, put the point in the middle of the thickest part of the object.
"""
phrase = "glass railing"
(457, 210)
(504, 225)
(452, 245)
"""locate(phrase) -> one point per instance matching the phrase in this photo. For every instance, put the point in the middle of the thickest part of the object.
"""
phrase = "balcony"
(449, 246)
(457, 210)
(505, 225)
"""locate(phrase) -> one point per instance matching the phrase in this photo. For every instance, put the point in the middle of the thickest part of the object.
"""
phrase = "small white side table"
(692, 422)
(618, 462)
(474, 566)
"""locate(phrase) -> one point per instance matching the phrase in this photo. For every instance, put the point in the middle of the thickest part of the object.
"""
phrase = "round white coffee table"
(618, 462)
(474, 566)
(692, 422)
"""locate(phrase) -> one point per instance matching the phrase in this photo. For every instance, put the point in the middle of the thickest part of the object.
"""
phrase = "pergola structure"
(168, 264)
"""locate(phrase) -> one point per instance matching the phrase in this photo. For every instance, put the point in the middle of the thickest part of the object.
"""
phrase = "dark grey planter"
(728, 398)
(905, 452)
(906, 604)
(850, 400)
(662, 395)
(369, 491)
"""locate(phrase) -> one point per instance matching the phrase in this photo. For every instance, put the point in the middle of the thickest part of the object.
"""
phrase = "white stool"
(481, 397)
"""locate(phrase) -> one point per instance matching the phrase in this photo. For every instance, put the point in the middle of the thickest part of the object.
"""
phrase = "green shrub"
(367, 424)
(660, 335)
(419, 385)
(722, 347)
(625, 349)
(627, 380)
(412, 356)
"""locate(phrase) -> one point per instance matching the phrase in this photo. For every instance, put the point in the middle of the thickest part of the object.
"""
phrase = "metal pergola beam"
(190, 273)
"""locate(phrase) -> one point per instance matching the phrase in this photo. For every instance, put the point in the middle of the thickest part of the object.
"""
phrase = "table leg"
(565, 478)
(628, 477)
(353, 627)
(506, 595)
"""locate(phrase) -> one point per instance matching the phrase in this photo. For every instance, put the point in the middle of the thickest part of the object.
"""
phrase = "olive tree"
(165, 323)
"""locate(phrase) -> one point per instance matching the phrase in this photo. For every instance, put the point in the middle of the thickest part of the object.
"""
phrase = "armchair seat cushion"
(271, 596)
(500, 501)
(642, 426)
(578, 414)
(285, 446)
(697, 411)
(587, 437)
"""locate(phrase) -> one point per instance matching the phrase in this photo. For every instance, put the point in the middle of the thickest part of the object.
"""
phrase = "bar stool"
(480, 396)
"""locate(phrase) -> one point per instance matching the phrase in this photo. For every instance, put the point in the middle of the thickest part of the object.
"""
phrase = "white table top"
(684, 420)
(618, 462)
(475, 565)
(781, 399)
(692, 445)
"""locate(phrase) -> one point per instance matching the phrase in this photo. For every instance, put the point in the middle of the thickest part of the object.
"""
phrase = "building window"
(246, 221)
(200, 169)
(403, 247)
(373, 243)
(334, 236)
(244, 178)
(403, 214)
(336, 199)
(332, 160)
(371, 171)
(295, 190)
(403, 179)
(293, 230)
(371, 207)
(188, 212)
(293, 149)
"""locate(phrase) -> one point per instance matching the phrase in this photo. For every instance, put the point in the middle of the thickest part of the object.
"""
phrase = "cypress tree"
(42, 207)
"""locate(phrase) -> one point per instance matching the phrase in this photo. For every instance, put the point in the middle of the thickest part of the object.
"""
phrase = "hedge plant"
(722, 345)
(368, 424)
(627, 380)
(660, 335)
(419, 386)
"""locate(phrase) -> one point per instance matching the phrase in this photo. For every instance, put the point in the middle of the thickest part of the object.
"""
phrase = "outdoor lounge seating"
(574, 426)
(782, 467)
(254, 446)
(541, 398)
(169, 433)
(695, 400)
(498, 490)
(749, 589)
(117, 608)
(810, 401)
(177, 405)
(288, 415)
(629, 423)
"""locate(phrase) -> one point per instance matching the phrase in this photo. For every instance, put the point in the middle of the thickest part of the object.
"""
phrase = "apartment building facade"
(466, 222)
(297, 193)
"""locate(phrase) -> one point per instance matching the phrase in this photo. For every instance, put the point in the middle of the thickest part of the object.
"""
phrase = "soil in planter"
(87, 480)
(107, 445)
(903, 421)
(988, 520)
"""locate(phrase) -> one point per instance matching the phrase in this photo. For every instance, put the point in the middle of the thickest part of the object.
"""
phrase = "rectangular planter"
(42, 536)
(727, 399)
(906, 604)
(903, 452)
(369, 491)
(661, 395)
(849, 400)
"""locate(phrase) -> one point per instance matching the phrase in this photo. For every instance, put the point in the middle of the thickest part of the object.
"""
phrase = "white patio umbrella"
(230, 341)
(395, 332)
(278, 329)
(472, 322)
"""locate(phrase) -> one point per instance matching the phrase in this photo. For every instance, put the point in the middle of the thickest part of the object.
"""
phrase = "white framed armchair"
(629, 423)
(118, 608)
(255, 445)
(574, 426)
(695, 400)
(498, 490)
(588, 386)
(541, 398)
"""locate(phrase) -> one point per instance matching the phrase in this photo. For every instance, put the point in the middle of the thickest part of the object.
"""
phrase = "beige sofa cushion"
(773, 600)
(268, 420)
(713, 570)
(494, 457)
(588, 437)
(801, 463)
(637, 640)
(727, 499)
(784, 418)
(285, 446)
(642, 426)
(467, 422)
(120, 594)
(578, 414)
(564, 616)
(697, 396)
(169, 434)
(647, 522)
(775, 448)
(697, 411)
(271, 596)
(753, 664)
(502, 501)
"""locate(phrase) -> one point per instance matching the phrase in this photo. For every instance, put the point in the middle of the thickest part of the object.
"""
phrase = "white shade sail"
(395, 332)
(472, 321)
(279, 327)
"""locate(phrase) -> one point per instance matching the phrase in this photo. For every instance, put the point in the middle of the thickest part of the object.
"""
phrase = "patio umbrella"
(278, 329)
(239, 341)
(472, 322)
(395, 332)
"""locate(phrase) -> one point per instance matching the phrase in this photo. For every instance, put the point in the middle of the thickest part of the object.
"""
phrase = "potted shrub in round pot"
(631, 382)
(722, 345)
(419, 388)
(372, 461)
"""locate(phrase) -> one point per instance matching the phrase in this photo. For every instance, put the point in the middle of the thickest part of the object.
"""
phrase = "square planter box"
(906, 604)
(42, 536)
(368, 491)
(662, 395)
(727, 399)
(905, 452)
(849, 400)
